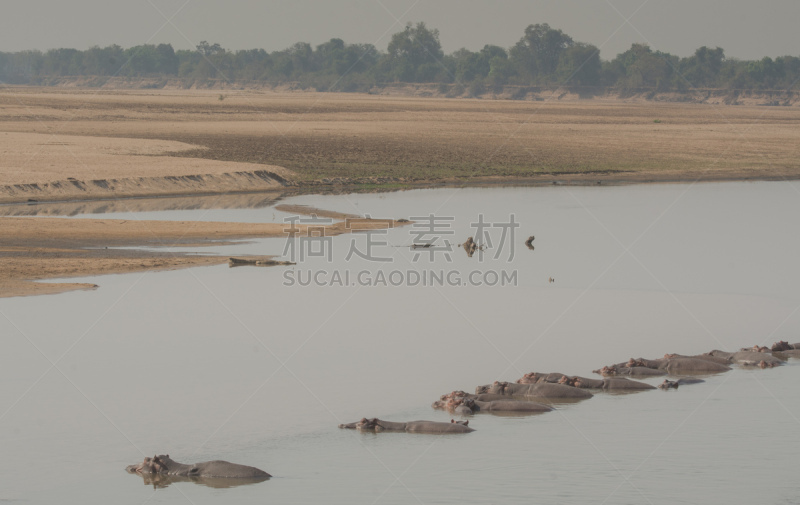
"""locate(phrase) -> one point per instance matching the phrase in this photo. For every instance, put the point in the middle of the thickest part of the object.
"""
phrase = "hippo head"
(608, 370)
(367, 424)
(451, 400)
(154, 465)
(781, 346)
(568, 381)
(497, 388)
(668, 384)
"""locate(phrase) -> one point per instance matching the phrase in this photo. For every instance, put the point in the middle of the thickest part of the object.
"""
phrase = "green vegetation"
(543, 57)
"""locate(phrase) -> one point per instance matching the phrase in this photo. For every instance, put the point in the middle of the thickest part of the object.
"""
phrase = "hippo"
(749, 358)
(784, 346)
(466, 404)
(534, 391)
(454, 402)
(671, 364)
(633, 371)
(429, 427)
(163, 465)
(668, 384)
(610, 384)
(756, 348)
(160, 481)
(535, 377)
(786, 349)
(686, 366)
(507, 406)
(706, 357)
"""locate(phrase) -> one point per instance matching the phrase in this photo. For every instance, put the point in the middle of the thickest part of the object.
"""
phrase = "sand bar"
(48, 248)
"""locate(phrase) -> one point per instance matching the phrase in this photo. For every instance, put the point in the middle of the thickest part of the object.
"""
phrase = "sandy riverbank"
(81, 144)
(51, 248)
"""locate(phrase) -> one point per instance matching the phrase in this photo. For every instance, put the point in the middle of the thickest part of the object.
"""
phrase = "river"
(251, 366)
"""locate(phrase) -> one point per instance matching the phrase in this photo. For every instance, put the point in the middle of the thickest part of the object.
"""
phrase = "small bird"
(552, 280)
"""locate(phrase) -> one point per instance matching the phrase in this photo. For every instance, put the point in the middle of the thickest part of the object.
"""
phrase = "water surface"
(220, 363)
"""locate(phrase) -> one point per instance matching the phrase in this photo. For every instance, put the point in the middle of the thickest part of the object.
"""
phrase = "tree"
(640, 67)
(580, 65)
(414, 53)
(703, 68)
(207, 49)
(538, 51)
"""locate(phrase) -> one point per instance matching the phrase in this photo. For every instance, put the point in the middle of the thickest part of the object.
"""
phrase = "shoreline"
(39, 248)
(578, 179)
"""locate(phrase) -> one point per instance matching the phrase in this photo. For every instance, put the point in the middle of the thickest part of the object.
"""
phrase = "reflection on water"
(234, 201)
(220, 363)
(164, 481)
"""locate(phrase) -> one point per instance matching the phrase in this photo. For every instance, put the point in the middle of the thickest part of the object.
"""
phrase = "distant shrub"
(476, 88)
(455, 90)
(519, 94)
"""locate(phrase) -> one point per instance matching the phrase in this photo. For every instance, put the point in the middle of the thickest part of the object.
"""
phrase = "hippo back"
(690, 366)
(227, 470)
(623, 384)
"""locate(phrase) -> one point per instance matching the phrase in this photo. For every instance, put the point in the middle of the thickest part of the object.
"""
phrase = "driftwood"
(238, 262)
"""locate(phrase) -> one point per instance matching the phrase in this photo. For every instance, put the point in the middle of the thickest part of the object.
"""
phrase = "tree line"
(543, 56)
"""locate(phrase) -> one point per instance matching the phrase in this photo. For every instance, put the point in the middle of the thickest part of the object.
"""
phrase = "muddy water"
(220, 363)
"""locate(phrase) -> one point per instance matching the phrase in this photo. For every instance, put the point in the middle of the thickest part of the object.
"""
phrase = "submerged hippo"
(541, 390)
(749, 358)
(429, 427)
(756, 348)
(622, 370)
(787, 350)
(671, 364)
(466, 404)
(782, 345)
(210, 469)
(609, 384)
(668, 384)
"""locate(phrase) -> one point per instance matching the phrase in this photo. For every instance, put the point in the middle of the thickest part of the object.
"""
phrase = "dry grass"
(363, 138)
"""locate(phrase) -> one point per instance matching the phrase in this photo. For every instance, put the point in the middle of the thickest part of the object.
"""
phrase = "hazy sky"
(746, 29)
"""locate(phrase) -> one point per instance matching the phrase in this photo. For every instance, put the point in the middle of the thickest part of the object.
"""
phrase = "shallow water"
(220, 363)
